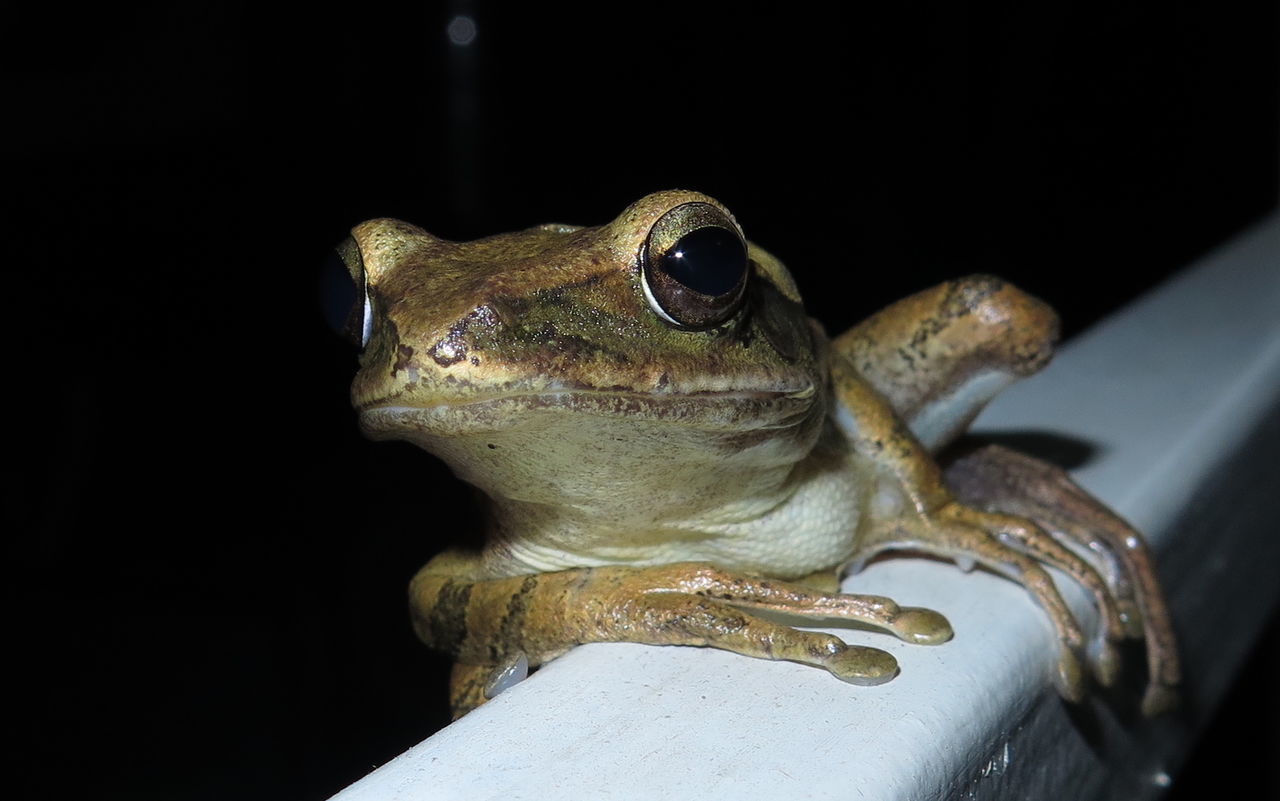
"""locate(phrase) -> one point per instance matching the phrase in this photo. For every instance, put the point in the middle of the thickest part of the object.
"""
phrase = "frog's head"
(666, 314)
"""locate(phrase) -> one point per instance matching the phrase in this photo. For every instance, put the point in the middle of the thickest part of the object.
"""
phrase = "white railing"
(1179, 395)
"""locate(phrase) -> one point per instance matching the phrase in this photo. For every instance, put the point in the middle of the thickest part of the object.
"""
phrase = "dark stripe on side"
(511, 628)
(448, 620)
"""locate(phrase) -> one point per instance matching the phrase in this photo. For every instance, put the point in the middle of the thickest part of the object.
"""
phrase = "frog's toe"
(921, 626)
(858, 664)
(507, 674)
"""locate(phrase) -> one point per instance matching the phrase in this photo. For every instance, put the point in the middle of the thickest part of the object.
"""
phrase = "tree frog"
(668, 446)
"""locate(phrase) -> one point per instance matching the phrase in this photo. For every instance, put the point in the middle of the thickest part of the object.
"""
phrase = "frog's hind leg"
(940, 355)
(998, 479)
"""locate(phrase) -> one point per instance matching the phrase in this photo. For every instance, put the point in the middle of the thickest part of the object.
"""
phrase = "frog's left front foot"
(997, 478)
(1004, 524)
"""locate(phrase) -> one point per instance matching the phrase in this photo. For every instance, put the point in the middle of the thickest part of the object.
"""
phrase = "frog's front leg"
(485, 623)
(912, 509)
(907, 382)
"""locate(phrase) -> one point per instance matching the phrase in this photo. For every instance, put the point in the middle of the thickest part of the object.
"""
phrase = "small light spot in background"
(1161, 779)
(461, 30)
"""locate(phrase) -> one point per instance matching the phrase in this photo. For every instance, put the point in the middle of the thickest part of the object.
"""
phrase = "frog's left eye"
(358, 325)
(694, 266)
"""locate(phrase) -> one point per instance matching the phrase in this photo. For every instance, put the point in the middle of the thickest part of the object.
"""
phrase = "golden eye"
(694, 266)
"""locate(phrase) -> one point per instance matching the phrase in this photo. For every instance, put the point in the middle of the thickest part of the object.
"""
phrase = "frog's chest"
(806, 521)
(815, 528)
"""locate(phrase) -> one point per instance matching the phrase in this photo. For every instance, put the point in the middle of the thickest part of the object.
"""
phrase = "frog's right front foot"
(697, 604)
(543, 615)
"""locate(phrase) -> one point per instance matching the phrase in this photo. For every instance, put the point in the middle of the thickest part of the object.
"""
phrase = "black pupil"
(709, 260)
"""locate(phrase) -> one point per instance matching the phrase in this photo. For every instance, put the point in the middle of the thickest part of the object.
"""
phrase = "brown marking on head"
(404, 358)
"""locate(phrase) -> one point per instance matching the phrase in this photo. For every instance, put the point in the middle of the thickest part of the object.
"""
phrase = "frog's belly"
(811, 527)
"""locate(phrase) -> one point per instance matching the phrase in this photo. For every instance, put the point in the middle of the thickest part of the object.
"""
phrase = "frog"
(670, 451)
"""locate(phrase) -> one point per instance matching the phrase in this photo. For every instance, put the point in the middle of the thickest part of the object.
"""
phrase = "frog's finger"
(999, 479)
(1037, 543)
(964, 541)
(995, 477)
(910, 624)
(858, 664)
(679, 619)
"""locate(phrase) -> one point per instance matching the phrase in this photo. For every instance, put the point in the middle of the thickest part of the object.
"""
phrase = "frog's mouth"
(718, 411)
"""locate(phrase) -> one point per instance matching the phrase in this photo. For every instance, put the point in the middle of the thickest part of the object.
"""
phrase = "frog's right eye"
(694, 266)
(358, 323)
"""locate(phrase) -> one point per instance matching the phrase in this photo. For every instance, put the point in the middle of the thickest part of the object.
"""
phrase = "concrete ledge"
(1179, 398)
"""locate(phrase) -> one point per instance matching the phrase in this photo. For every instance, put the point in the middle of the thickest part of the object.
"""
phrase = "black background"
(207, 564)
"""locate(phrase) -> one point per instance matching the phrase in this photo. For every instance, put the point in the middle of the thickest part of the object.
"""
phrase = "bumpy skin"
(653, 483)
